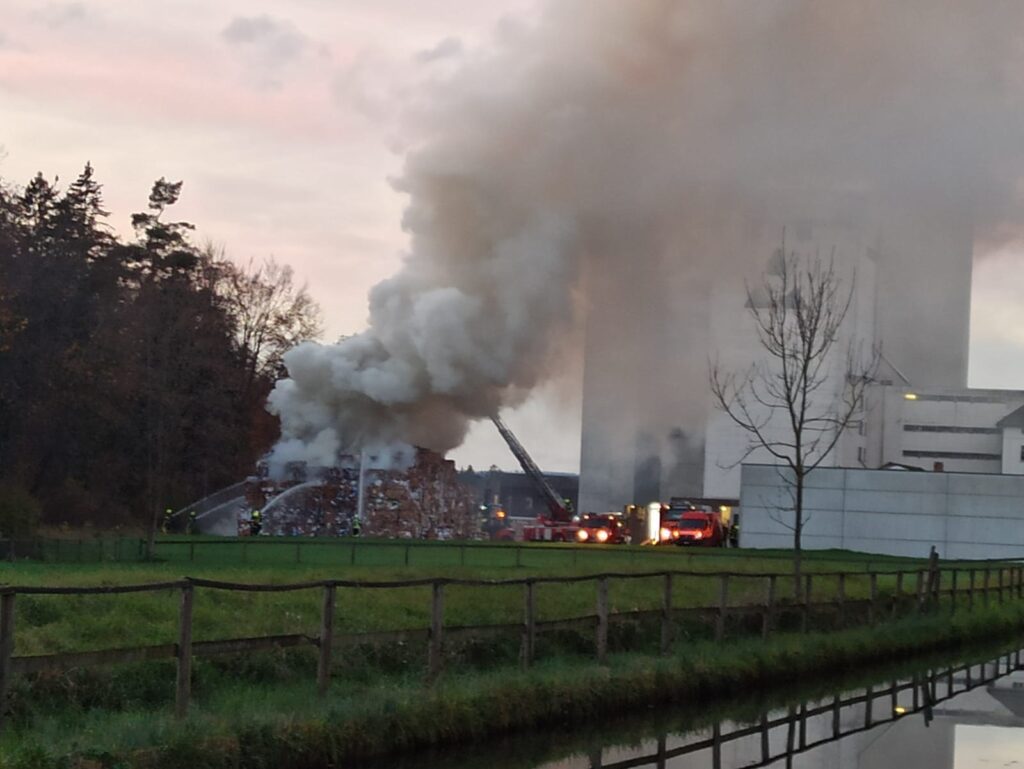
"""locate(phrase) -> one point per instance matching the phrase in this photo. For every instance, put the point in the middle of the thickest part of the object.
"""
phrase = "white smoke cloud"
(615, 142)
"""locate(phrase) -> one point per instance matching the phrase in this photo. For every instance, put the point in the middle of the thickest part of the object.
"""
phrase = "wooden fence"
(915, 591)
(798, 725)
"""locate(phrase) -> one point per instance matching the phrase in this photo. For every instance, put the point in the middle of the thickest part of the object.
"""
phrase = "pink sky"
(282, 119)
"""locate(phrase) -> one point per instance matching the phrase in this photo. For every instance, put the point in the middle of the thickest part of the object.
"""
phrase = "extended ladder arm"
(555, 504)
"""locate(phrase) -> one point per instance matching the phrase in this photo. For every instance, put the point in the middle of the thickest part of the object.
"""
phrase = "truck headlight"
(602, 535)
(582, 535)
(666, 534)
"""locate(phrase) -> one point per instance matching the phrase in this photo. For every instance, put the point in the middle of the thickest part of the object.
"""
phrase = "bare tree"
(272, 314)
(796, 401)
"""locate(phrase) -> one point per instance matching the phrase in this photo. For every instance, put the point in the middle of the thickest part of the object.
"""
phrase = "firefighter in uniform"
(357, 527)
(165, 524)
(191, 527)
(256, 525)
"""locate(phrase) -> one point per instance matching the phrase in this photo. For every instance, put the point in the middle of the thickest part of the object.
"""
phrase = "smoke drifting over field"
(609, 137)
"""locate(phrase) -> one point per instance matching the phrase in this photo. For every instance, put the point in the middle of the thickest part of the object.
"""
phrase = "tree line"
(133, 370)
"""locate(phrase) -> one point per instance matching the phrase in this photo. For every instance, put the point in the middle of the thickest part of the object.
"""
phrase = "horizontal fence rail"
(917, 591)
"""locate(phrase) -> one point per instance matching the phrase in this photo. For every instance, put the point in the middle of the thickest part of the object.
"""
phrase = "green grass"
(52, 624)
(259, 717)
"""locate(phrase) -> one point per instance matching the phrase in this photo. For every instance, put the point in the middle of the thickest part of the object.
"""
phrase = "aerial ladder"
(558, 524)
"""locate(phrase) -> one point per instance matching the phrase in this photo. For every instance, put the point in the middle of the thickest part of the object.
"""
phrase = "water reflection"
(965, 716)
(962, 717)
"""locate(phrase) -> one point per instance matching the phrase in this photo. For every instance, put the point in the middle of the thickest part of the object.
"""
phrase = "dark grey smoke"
(613, 138)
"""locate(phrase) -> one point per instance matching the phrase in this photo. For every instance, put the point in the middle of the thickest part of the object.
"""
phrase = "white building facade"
(650, 429)
(891, 512)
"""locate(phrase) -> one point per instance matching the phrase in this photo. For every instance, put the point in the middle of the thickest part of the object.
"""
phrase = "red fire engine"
(694, 522)
(558, 524)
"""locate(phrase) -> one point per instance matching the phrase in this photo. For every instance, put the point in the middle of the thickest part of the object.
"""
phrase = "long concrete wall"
(965, 515)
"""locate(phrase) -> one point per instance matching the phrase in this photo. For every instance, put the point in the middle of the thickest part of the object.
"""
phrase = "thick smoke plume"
(609, 138)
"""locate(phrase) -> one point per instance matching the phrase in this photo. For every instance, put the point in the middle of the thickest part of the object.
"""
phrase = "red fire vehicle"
(685, 522)
(700, 528)
(601, 528)
(557, 525)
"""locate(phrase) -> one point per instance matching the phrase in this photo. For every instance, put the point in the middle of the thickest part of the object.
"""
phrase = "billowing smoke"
(615, 142)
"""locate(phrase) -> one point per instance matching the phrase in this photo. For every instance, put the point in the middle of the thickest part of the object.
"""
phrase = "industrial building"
(650, 430)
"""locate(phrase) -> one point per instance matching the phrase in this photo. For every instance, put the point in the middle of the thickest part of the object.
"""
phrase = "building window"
(860, 453)
(952, 455)
(951, 429)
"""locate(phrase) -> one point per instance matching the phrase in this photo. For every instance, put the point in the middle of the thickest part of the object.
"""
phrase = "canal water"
(949, 715)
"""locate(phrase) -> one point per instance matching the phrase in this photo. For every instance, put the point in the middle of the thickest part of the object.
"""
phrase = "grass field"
(50, 624)
(259, 709)
(252, 717)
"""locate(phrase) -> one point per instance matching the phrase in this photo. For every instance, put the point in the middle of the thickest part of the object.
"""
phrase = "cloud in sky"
(57, 15)
(277, 39)
(447, 48)
(271, 48)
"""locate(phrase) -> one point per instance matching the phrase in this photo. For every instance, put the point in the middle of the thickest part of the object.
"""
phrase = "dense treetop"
(133, 373)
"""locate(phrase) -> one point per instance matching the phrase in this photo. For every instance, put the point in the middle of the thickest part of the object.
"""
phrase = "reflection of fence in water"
(920, 694)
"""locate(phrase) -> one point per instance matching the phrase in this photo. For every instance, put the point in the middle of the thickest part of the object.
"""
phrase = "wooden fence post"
(769, 608)
(970, 592)
(435, 655)
(898, 595)
(183, 689)
(323, 667)
(920, 591)
(6, 650)
(869, 695)
(841, 597)
(666, 616)
(803, 725)
(529, 623)
(873, 598)
(716, 745)
(602, 619)
(804, 622)
(952, 590)
(765, 745)
(985, 587)
(723, 602)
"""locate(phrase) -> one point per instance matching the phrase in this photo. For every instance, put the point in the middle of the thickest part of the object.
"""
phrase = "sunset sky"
(285, 121)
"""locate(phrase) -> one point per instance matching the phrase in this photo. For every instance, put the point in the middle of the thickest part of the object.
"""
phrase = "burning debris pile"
(412, 494)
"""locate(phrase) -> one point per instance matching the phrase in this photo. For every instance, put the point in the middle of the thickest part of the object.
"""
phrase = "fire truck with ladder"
(558, 525)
